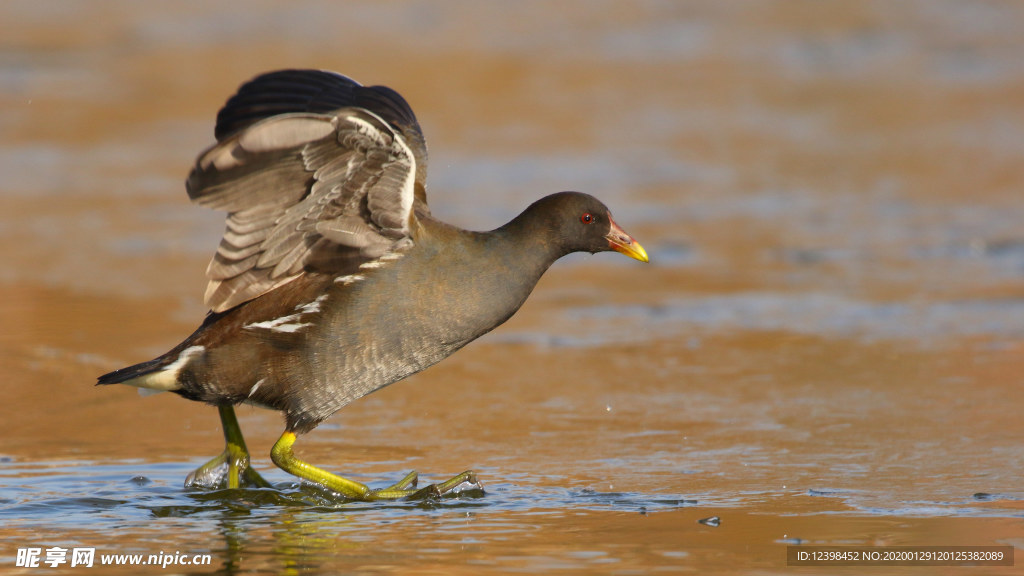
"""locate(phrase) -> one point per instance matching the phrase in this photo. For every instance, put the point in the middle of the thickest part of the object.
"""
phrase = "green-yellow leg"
(235, 456)
(283, 456)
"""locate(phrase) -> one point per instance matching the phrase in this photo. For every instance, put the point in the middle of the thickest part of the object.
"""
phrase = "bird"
(333, 279)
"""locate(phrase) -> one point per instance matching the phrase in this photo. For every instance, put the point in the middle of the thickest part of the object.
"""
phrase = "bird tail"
(126, 375)
(158, 375)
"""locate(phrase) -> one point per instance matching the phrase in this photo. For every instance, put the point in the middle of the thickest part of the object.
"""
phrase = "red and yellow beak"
(619, 241)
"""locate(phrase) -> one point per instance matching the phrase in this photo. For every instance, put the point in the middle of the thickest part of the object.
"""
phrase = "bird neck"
(533, 241)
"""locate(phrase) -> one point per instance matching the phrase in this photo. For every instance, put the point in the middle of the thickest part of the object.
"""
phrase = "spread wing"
(307, 188)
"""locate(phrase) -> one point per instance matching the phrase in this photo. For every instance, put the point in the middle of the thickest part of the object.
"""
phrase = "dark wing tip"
(321, 92)
(281, 92)
(316, 91)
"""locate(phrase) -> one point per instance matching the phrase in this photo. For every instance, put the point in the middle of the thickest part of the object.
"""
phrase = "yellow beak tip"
(634, 250)
(641, 254)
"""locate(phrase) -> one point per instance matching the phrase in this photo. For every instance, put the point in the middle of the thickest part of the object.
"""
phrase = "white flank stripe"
(292, 322)
(288, 323)
(256, 386)
(311, 307)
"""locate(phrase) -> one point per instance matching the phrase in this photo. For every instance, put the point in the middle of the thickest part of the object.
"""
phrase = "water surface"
(826, 348)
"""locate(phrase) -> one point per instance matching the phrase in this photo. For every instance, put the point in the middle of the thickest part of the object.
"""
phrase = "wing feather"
(326, 191)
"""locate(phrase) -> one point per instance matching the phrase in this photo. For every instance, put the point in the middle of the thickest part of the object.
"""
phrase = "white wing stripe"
(403, 157)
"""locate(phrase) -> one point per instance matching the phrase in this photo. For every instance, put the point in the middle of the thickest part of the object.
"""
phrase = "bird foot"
(230, 469)
(406, 488)
(282, 455)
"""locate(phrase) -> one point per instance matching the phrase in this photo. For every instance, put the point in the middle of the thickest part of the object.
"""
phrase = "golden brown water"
(827, 347)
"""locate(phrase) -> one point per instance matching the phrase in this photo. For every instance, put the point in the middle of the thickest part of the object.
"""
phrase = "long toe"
(430, 492)
(465, 482)
(409, 482)
(459, 484)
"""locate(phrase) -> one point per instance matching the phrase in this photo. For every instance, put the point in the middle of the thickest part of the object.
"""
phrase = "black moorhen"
(333, 279)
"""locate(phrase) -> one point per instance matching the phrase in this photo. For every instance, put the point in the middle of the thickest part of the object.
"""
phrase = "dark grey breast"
(316, 172)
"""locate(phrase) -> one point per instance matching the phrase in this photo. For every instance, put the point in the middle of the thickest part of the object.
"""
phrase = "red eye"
(587, 218)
